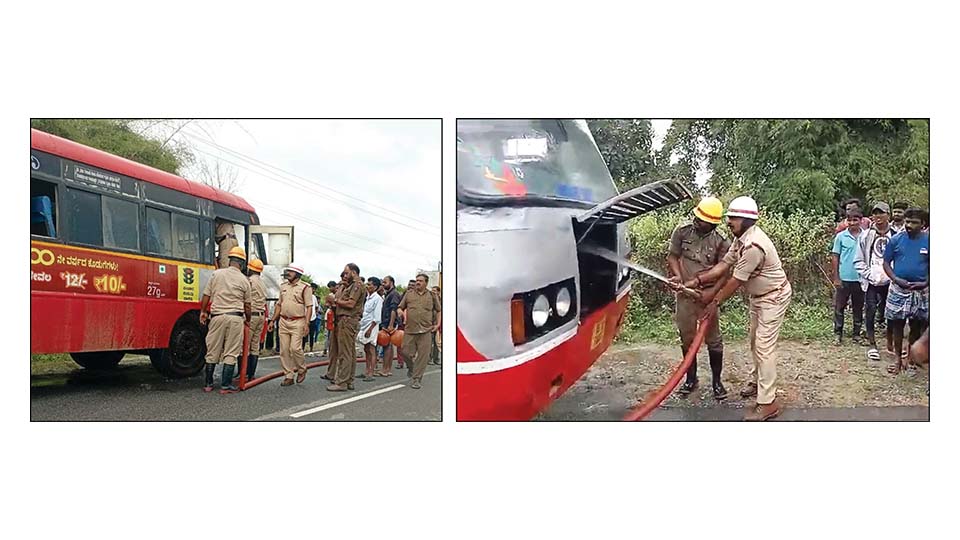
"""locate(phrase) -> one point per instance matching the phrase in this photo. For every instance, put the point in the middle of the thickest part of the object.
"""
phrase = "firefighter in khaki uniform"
(348, 307)
(756, 266)
(694, 248)
(258, 306)
(293, 311)
(332, 357)
(226, 305)
(419, 307)
(226, 239)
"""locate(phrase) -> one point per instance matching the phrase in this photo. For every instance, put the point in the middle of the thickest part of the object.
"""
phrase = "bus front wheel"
(98, 360)
(185, 355)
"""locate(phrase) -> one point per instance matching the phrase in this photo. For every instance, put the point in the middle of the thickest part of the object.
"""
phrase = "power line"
(289, 184)
(266, 167)
(324, 225)
(361, 248)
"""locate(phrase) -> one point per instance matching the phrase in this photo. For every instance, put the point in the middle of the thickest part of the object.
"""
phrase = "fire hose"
(245, 384)
(641, 411)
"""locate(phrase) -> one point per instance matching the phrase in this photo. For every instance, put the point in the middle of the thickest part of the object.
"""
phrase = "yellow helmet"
(238, 253)
(255, 264)
(710, 210)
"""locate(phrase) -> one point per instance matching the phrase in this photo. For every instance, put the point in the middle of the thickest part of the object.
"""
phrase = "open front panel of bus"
(272, 244)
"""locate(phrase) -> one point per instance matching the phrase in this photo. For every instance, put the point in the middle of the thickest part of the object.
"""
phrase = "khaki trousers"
(224, 339)
(417, 348)
(332, 357)
(291, 346)
(688, 311)
(256, 330)
(346, 329)
(223, 260)
(766, 317)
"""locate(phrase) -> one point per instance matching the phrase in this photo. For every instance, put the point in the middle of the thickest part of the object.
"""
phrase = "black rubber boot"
(208, 377)
(690, 385)
(226, 380)
(716, 368)
(251, 367)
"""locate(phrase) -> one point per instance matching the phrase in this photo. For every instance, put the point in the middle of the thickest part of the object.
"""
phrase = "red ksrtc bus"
(120, 252)
(535, 306)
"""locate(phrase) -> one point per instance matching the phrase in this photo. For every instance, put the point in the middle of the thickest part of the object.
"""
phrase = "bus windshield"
(544, 159)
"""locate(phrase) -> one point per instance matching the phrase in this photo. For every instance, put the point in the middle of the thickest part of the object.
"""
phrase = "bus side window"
(186, 234)
(83, 211)
(43, 208)
(121, 223)
(206, 242)
(158, 232)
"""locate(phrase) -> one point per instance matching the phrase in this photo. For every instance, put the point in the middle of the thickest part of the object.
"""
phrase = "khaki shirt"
(697, 253)
(421, 310)
(293, 299)
(351, 291)
(224, 228)
(755, 261)
(258, 293)
(228, 290)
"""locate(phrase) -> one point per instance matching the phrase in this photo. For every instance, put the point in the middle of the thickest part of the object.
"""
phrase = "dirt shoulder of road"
(809, 374)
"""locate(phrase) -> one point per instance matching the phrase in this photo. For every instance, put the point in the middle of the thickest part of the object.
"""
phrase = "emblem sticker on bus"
(188, 284)
(598, 330)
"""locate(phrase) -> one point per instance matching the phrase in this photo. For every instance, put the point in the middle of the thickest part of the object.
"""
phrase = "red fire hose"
(645, 408)
(245, 384)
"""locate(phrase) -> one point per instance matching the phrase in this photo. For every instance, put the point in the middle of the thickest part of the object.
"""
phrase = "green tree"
(627, 147)
(120, 137)
(812, 165)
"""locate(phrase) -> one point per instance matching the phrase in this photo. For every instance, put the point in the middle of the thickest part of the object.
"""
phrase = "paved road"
(135, 391)
(609, 405)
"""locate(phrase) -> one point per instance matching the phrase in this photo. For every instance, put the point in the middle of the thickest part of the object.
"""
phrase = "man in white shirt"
(868, 262)
(370, 327)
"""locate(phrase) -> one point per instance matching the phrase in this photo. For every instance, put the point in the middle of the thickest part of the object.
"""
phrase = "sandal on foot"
(894, 369)
(873, 354)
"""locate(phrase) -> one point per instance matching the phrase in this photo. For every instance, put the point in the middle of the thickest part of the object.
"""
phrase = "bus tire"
(185, 355)
(98, 360)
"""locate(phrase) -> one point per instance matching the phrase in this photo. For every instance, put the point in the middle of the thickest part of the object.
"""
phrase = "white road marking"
(345, 401)
(289, 411)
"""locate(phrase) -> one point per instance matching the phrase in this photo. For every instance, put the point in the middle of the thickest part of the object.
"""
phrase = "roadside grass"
(805, 321)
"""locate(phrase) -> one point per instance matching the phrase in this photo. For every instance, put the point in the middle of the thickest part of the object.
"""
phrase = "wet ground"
(135, 391)
(817, 381)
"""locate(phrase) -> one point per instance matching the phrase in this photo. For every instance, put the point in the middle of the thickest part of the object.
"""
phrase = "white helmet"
(295, 267)
(744, 207)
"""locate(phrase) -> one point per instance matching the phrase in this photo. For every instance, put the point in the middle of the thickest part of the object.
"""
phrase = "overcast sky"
(393, 164)
(660, 128)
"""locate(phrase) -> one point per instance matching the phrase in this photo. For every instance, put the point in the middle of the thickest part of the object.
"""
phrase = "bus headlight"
(538, 312)
(541, 311)
(563, 302)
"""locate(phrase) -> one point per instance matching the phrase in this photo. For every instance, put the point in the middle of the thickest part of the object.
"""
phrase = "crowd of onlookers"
(384, 299)
(881, 266)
